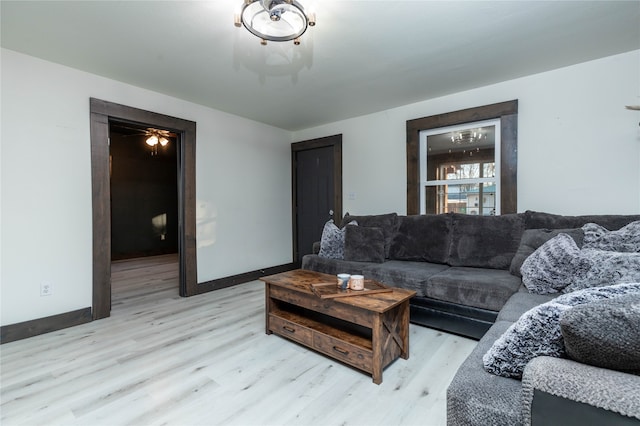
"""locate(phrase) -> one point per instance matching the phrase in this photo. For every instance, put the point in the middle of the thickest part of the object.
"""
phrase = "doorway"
(144, 191)
(102, 113)
(317, 190)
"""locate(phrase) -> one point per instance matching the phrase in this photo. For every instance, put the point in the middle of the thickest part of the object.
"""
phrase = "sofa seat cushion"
(481, 288)
(520, 303)
(409, 275)
(314, 262)
(476, 397)
(485, 241)
(422, 237)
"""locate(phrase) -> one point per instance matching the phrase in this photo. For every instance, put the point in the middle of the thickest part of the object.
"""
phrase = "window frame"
(424, 157)
(507, 112)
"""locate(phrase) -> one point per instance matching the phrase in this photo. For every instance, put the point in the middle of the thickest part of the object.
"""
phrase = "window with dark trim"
(506, 112)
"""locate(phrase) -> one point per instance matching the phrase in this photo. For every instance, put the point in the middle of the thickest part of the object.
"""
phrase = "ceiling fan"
(154, 137)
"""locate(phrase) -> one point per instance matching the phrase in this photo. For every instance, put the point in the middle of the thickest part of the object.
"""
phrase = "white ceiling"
(361, 57)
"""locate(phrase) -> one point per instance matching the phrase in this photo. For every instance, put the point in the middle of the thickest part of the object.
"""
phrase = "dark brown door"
(317, 190)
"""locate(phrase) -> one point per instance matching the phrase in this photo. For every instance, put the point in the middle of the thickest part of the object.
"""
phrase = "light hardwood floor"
(162, 359)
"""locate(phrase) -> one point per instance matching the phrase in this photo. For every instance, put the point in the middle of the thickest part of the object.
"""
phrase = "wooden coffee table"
(367, 331)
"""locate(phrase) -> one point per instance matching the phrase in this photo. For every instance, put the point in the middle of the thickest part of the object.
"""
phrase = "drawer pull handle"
(289, 329)
(340, 350)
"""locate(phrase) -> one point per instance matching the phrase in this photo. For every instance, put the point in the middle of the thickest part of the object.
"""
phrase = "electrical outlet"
(46, 288)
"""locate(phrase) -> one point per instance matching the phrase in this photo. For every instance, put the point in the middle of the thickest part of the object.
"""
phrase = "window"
(479, 182)
(458, 169)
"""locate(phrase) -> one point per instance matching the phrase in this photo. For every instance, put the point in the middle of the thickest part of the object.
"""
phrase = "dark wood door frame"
(102, 113)
(334, 141)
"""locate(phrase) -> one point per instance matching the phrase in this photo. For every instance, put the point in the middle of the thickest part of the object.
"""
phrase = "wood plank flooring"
(165, 360)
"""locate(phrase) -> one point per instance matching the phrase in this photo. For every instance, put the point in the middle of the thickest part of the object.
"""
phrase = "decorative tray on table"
(331, 290)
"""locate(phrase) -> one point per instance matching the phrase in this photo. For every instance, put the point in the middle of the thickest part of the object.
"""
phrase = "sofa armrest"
(566, 392)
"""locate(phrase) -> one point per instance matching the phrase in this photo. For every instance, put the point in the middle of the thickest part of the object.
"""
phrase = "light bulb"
(152, 140)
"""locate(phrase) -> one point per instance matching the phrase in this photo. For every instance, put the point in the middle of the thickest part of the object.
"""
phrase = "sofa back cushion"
(485, 241)
(535, 219)
(423, 238)
(388, 222)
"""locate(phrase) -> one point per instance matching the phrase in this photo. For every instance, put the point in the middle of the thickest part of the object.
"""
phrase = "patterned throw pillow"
(532, 239)
(332, 241)
(553, 266)
(626, 239)
(538, 332)
(605, 268)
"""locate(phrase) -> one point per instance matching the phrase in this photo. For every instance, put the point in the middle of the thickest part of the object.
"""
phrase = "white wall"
(46, 220)
(579, 153)
(579, 148)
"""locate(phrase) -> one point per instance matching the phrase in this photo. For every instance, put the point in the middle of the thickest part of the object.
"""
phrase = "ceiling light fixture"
(467, 136)
(156, 137)
(274, 20)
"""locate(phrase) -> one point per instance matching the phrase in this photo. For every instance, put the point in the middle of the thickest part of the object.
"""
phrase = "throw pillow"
(534, 238)
(605, 333)
(388, 222)
(537, 332)
(363, 244)
(552, 266)
(332, 241)
(594, 294)
(626, 239)
(601, 268)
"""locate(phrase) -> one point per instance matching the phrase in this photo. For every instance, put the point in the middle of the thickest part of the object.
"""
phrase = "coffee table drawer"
(339, 349)
(290, 330)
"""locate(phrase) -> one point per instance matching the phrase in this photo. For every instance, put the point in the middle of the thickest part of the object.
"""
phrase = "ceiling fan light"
(164, 141)
(152, 140)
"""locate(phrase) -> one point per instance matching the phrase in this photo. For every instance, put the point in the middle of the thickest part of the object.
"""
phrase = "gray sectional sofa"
(466, 272)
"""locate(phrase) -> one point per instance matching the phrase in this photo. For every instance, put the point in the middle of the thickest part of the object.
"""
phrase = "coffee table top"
(300, 280)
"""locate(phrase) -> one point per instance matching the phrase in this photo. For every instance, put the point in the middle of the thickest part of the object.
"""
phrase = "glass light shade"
(152, 140)
(164, 141)
(275, 20)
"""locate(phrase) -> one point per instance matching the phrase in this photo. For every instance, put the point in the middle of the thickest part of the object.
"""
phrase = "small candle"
(356, 282)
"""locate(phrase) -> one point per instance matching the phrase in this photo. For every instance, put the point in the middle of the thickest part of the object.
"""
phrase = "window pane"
(489, 169)
(475, 198)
